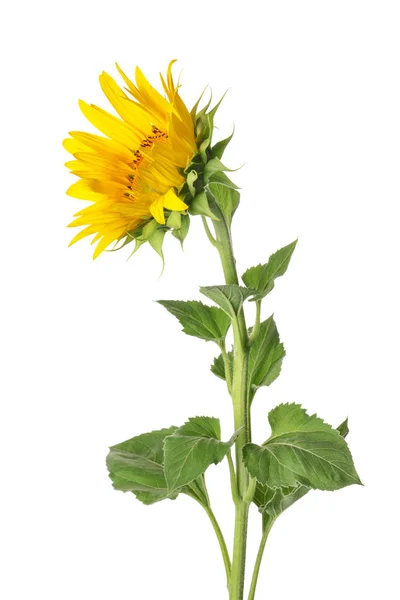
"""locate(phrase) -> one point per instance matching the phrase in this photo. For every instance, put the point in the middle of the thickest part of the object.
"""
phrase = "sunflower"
(132, 176)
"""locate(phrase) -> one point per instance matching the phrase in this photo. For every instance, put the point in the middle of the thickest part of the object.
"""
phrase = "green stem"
(239, 398)
(260, 554)
(222, 544)
(227, 367)
(257, 323)
(232, 474)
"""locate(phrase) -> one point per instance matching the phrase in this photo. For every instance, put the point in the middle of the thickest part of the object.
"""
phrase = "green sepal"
(214, 165)
(174, 220)
(302, 449)
(200, 206)
(229, 297)
(191, 449)
(208, 323)
(219, 148)
(225, 197)
(191, 179)
(261, 278)
(221, 177)
(156, 241)
(181, 233)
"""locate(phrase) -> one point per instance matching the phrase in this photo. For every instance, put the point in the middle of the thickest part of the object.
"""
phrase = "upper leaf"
(137, 466)
(191, 449)
(206, 322)
(218, 367)
(262, 277)
(229, 297)
(302, 449)
(266, 355)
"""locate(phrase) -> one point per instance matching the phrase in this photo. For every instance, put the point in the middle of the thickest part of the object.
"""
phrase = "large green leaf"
(191, 449)
(229, 297)
(275, 501)
(266, 355)
(137, 466)
(302, 449)
(206, 322)
(262, 277)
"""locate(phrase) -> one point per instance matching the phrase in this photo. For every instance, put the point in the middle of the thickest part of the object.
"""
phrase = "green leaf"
(266, 355)
(191, 449)
(229, 297)
(343, 428)
(218, 367)
(265, 358)
(137, 466)
(226, 198)
(262, 277)
(275, 501)
(219, 148)
(302, 449)
(206, 322)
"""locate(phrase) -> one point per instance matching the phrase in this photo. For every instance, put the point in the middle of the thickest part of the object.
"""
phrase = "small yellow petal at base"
(172, 202)
(157, 210)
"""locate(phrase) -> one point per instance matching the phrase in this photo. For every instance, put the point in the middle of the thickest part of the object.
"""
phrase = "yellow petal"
(131, 112)
(172, 202)
(111, 126)
(157, 210)
(82, 189)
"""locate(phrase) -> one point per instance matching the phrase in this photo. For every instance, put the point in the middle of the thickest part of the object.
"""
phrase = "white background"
(90, 360)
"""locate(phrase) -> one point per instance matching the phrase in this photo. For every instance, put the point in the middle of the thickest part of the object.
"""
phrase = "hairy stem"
(239, 388)
(260, 554)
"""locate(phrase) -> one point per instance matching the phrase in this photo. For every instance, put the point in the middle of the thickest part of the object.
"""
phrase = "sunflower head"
(151, 168)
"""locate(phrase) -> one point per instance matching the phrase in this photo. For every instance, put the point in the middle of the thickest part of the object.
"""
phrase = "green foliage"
(137, 466)
(218, 367)
(262, 277)
(229, 297)
(265, 358)
(191, 449)
(266, 355)
(274, 501)
(302, 449)
(206, 322)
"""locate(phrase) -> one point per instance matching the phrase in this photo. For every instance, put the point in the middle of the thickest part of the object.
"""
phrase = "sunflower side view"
(155, 167)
